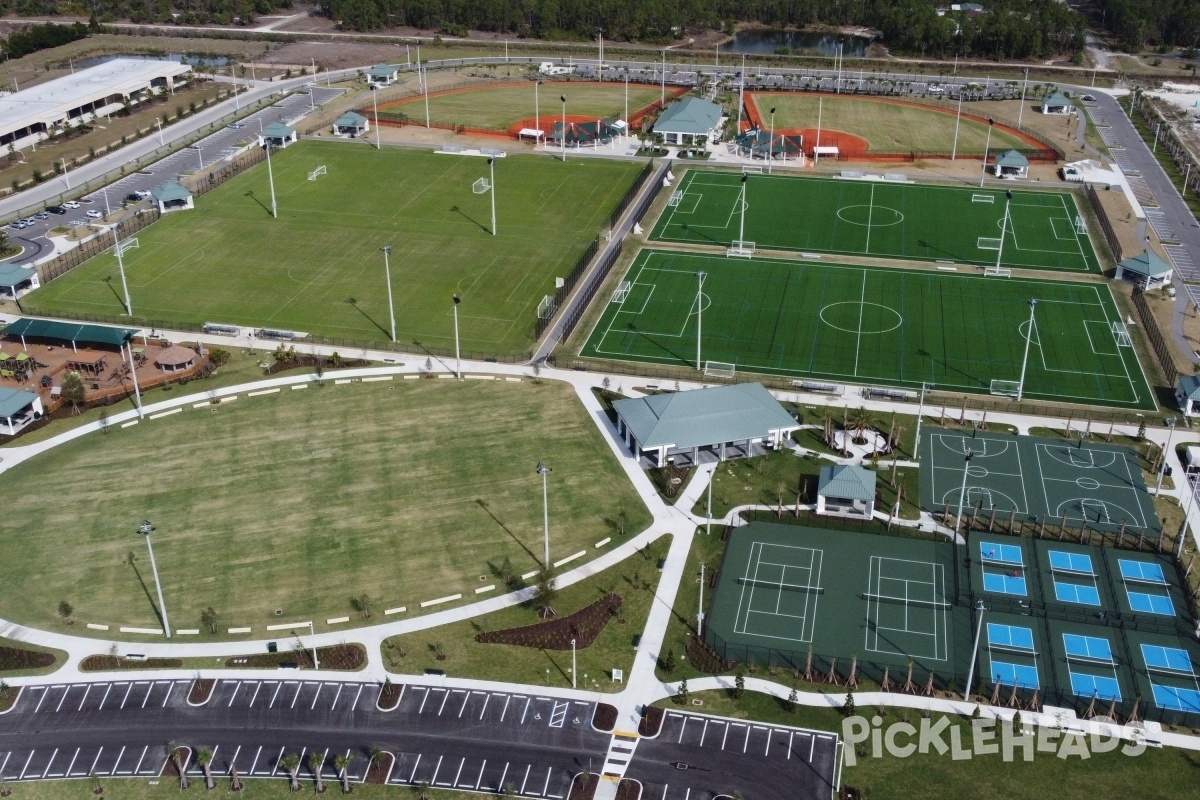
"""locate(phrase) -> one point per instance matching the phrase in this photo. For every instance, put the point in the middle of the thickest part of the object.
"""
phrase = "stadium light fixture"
(563, 98)
(771, 142)
(492, 191)
(387, 276)
(145, 529)
(271, 181)
(543, 470)
(920, 411)
(457, 359)
(962, 494)
(1162, 468)
(121, 267)
(1028, 338)
(1021, 110)
(980, 607)
(986, 146)
(1003, 226)
(699, 317)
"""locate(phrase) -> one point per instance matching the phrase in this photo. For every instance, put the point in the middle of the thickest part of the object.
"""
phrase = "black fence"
(1162, 350)
(1110, 235)
(588, 292)
(60, 265)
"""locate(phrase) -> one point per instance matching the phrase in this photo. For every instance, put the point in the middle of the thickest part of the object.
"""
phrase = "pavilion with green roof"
(1146, 270)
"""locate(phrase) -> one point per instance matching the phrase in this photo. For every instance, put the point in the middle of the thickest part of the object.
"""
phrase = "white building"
(846, 490)
(17, 409)
(29, 115)
(1057, 103)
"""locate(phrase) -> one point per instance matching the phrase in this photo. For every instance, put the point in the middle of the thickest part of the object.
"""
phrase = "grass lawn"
(868, 325)
(501, 106)
(882, 220)
(635, 579)
(301, 501)
(888, 127)
(317, 268)
(1156, 774)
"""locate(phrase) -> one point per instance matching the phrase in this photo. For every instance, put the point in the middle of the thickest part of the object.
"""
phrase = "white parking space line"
(46, 771)
(5, 764)
(254, 696)
(437, 769)
(254, 763)
(336, 696)
(71, 766)
(360, 690)
(299, 688)
(95, 761)
(413, 777)
(725, 737)
(117, 763)
(527, 769)
(170, 688)
(277, 758)
(127, 693)
(316, 694)
(105, 698)
(546, 788)
(789, 747)
(62, 699)
(507, 699)
(664, 794)
(486, 697)
(138, 768)
(233, 695)
(445, 697)
(458, 774)
(481, 769)
(811, 748)
(421, 710)
(746, 746)
(233, 761)
(703, 732)
(500, 785)
(149, 691)
(83, 699)
(528, 700)
(278, 686)
(466, 699)
(45, 691)
(682, 728)
(27, 760)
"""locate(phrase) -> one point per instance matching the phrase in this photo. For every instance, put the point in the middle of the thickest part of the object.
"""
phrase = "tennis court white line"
(937, 570)
(745, 604)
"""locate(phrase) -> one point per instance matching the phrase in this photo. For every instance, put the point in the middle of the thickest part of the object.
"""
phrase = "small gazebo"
(171, 196)
(1146, 270)
(175, 358)
(1011, 164)
(277, 135)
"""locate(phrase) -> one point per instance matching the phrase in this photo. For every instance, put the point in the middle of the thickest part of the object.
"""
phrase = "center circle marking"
(872, 216)
(977, 472)
(851, 316)
(1091, 484)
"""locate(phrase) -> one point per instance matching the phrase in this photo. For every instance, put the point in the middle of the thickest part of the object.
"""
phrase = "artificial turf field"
(501, 106)
(318, 267)
(301, 500)
(868, 325)
(878, 219)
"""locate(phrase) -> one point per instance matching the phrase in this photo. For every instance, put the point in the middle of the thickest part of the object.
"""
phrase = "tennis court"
(1042, 480)
(1041, 230)
(873, 326)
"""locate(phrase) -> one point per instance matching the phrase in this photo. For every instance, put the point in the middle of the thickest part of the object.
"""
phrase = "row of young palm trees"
(289, 763)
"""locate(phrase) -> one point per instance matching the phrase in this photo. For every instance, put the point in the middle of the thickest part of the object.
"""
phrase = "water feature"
(766, 41)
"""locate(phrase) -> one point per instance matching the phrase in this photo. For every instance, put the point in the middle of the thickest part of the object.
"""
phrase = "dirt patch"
(389, 696)
(629, 789)
(604, 718)
(12, 658)
(704, 658)
(380, 768)
(669, 481)
(346, 657)
(652, 720)
(556, 634)
(8, 696)
(312, 362)
(583, 787)
(106, 663)
(201, 690)
(849, 146)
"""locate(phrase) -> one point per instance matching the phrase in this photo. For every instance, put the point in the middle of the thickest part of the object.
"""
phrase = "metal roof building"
(26, 116)
(846, 490)
(171, 196)
(692, 117)
(17, 280)
(17, 409)
(1146, 270)
(713, 424)
(72, 333)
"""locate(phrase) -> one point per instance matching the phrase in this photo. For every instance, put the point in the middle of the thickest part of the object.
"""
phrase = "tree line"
(1140, 23)
(40, 37)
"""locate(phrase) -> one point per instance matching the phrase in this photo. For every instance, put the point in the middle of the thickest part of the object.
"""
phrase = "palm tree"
(291, 765)
(235, 783)
(204, 758)
(376, 754)
(315, 762)
(860, 422)
(342, 765)
(173, 752)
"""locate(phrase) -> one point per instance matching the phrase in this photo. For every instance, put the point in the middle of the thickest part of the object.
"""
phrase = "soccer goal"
(983, 198)
(126, 245)
(546, 307)
(1080, 226)
(622, 292)
(1005, 388)
(988, 243)
(998, 272)
(316, 173)
(719, 369)
(1121, 334)
(480, 186)
(747, 169)
(676, 198)
(741, 249)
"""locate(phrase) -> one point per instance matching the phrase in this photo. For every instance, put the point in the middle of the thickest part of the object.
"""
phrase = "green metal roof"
(170, 192)
(382, 71)
(847, 482)
(69, 332)
(277, 130)
(1146, 263)
(1189, 387)
(15, 274)
(1056, 99)
(704, 416)
(13, 401)
(350, 120)
(691, 115)
(1011, 158)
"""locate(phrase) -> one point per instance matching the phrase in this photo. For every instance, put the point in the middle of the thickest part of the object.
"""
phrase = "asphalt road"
(447, 737)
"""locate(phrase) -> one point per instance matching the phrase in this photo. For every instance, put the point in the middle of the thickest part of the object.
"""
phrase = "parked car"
(41, 215)
(142, 193)
(71, 204)
(56, 210)
(95, 214)
(17, 224)
(132, 197)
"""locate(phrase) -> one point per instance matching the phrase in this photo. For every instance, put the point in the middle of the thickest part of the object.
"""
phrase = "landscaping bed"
(583, 786)
(13, 658)
(378, 771)
(629, 789)
(389, 696)
(604, 718)
(106, 663)
(201, 690)
(652, 720)
(582, 627)
(296, 360)
(8, 696)
(347, 657)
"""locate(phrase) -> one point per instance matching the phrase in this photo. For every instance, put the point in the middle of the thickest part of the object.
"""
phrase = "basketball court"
(1041, 480)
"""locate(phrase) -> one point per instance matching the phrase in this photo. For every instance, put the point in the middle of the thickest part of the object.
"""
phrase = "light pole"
(387, 276)
(600, 63)
(1003, 227)
(563, 134)
(1028, 338)
(492, 191)
(160, 136)
(662, 101)
(708, 513)
(137, 392)
(699, 316)
(312, 632)
(543, 470)
(957, 120)
(771, 143)
(1024, 85)
(537, 119)
(986, 146)
(375, 108)
(700, 605)
(107, 210)
(121, 268)
(271, 181)
(1163, 467)
(962, 494)
(920, 412)
(980, 607)
(1183, 525)
(573, 665)
(742, 226)
(457, 360)
(145, 529)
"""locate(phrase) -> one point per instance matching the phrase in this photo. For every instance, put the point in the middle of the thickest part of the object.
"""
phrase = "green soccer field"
(884, 220)
(318, 267)
(869, 325)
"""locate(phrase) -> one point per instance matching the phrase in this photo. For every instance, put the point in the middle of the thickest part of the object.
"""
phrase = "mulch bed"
(201, 690)
(629, 790)
(104, 663)
(18, 658)
(604, 718)
(579, 791)
(389, 696)
(313, 362)
(556, 634)
(705, 659)
(345, 657)
(652, 720)
(379, 769)
(8, 696)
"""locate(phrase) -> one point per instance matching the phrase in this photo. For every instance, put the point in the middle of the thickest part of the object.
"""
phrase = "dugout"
(583, 134)
(171, 196)
(350, 125)
(702, 425)
(1011, 164)
(755, 143)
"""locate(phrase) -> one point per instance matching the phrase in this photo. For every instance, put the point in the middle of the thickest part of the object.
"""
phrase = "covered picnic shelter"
(351, 124)
(702, 425)
(64, 334)
(18, 408)
(277, 135)
(16, 281)
(1011, 164)
(846, 490)
(171, 196)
